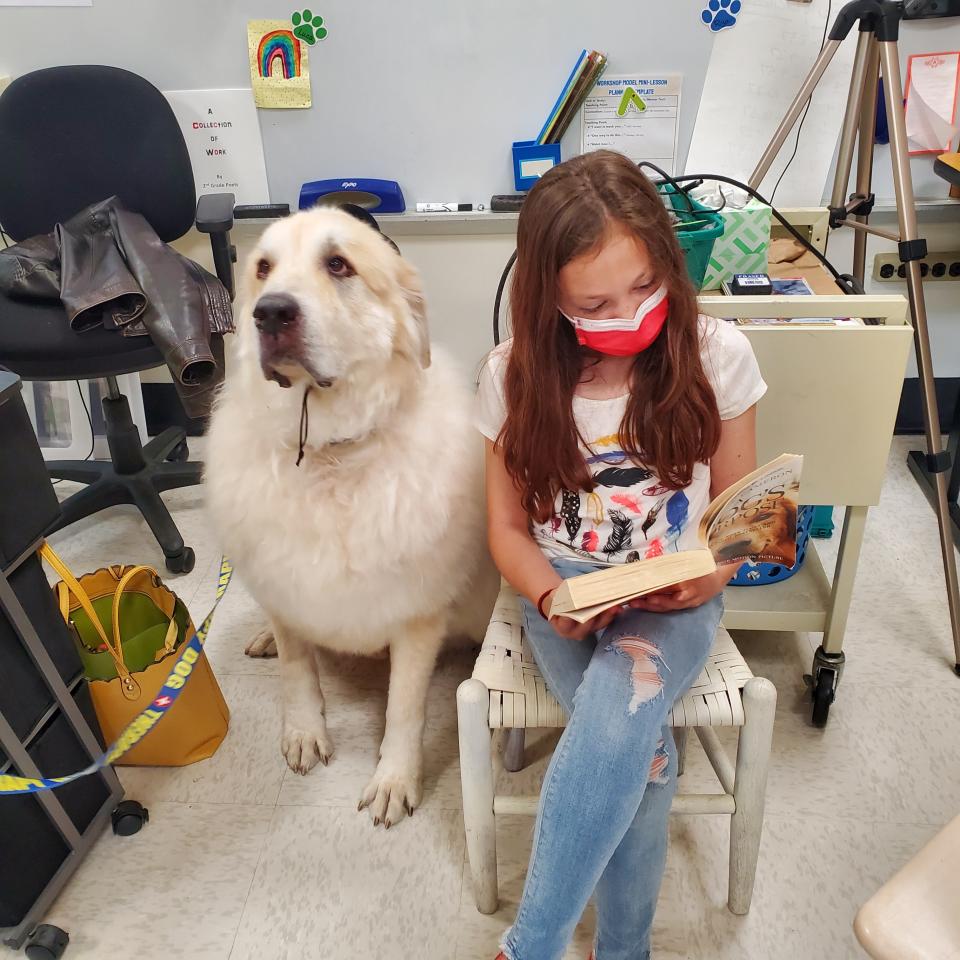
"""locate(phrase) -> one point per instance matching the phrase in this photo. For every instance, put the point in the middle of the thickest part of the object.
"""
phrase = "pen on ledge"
(446, 207)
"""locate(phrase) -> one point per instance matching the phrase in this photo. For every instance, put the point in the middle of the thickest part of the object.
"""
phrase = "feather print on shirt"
(622, 476)
(625, 500)
(654, 550)
(652, 515)
(591, 540)
(677, 508)
(613, 457)
(570, 511)
(621, 537)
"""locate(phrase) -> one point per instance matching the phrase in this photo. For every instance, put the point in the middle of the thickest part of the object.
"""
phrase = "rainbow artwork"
(279, 46)
(279, 66)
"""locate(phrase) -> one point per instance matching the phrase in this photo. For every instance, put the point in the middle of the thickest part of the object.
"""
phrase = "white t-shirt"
(630, 515)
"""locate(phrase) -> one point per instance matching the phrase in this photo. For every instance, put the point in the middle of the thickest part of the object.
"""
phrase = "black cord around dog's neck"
(304, 426)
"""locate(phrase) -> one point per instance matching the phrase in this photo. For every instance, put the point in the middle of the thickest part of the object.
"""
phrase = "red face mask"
(619, 337)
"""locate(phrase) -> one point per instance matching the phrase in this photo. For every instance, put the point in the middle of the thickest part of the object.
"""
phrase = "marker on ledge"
(445, 207)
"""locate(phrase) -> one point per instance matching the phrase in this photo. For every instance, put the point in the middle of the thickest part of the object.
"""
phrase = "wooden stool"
(507, 694)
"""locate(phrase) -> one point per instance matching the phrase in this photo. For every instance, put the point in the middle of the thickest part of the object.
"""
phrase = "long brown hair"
(671, 422)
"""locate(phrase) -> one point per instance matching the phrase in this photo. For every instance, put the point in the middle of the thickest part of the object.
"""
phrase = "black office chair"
(73, 136)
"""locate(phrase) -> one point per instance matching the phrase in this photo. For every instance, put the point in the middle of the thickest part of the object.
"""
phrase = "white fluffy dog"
(344, 482)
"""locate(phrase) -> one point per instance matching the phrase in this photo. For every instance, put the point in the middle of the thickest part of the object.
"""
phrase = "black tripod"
(877, 59)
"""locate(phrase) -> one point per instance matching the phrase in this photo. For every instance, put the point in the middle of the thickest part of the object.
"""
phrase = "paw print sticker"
(719, 14)
(310, 28)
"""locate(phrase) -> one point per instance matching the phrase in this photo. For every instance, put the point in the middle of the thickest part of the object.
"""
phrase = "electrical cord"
(499, 297)
(796, 144)
(845, 281)
(93, 439)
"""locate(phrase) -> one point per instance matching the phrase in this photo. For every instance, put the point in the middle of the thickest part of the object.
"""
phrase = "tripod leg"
(793, 114)
(911, 252)
(868, 125)
(851, 120)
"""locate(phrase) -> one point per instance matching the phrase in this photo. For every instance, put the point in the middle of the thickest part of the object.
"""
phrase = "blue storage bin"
(822, 527)
(758, 574)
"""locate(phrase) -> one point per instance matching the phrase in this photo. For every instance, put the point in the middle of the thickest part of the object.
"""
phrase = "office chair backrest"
(71, 136)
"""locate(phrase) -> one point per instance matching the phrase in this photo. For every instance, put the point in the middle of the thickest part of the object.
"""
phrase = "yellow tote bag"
(127, 665)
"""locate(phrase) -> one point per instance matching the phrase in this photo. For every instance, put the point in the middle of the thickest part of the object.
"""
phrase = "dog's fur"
(376, 541)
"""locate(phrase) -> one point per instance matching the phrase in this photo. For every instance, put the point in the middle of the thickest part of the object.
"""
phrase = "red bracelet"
(543, 596)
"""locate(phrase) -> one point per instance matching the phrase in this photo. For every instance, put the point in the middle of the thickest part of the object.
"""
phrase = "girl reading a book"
(611, 417)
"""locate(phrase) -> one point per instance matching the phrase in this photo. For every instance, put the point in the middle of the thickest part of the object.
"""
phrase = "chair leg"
(476, 778)
(171, 476)
(158, 517)
(98, 496)
(750, 786)
(157, 449)
(513, 754)
(680, 739)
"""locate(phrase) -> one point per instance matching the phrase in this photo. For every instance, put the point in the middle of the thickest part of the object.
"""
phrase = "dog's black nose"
(275, 312)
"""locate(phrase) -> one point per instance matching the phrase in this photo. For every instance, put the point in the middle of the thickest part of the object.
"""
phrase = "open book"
(754, 519)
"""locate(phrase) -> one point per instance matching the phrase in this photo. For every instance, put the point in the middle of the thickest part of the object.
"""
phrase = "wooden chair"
(507, 695)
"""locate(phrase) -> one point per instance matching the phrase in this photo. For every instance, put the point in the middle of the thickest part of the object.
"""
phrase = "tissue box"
(743, 246)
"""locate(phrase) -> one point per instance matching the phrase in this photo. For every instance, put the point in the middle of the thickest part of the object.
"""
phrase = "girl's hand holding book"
(690, 593)
(573, 630)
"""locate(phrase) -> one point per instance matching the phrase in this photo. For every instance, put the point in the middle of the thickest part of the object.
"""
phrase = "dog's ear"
(365, 216)
(416, 332)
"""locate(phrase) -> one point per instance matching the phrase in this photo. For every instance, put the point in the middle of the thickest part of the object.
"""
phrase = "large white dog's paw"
(263, 644)
(303, 749)
(394, 792)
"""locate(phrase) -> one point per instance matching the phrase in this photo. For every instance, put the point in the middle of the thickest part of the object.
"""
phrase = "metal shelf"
(800, 603)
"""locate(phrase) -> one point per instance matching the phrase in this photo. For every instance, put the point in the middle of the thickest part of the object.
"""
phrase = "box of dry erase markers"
(743, 247)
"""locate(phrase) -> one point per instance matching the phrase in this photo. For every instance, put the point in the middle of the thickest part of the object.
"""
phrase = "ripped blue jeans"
(602, 823)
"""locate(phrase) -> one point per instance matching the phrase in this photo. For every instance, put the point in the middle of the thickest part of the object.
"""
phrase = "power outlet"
(887, 267)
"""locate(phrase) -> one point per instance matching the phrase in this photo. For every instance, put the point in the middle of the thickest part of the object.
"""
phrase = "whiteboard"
(430, 93)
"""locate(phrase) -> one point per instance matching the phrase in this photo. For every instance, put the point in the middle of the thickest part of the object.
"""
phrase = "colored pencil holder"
(531, 160)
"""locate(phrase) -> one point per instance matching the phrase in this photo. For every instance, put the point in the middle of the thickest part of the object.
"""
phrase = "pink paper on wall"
(931, 95)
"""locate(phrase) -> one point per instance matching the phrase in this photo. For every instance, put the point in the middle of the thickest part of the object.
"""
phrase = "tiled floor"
(243, 859)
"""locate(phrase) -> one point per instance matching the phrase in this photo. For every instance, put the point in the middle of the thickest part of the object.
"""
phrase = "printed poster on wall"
(637, 115)
(223, 136)
(279, 67)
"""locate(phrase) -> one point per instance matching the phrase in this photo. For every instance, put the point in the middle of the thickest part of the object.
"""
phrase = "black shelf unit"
(47, 723)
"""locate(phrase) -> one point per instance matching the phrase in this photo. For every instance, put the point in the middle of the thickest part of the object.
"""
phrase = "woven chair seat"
(519, 696)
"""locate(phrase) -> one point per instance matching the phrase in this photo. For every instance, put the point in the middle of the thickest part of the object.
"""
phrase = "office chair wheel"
(180, 453)
(128, 818)
(47, 942)
(183, 562)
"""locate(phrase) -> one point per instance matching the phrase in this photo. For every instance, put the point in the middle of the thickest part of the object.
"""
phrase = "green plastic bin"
(697, 229)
